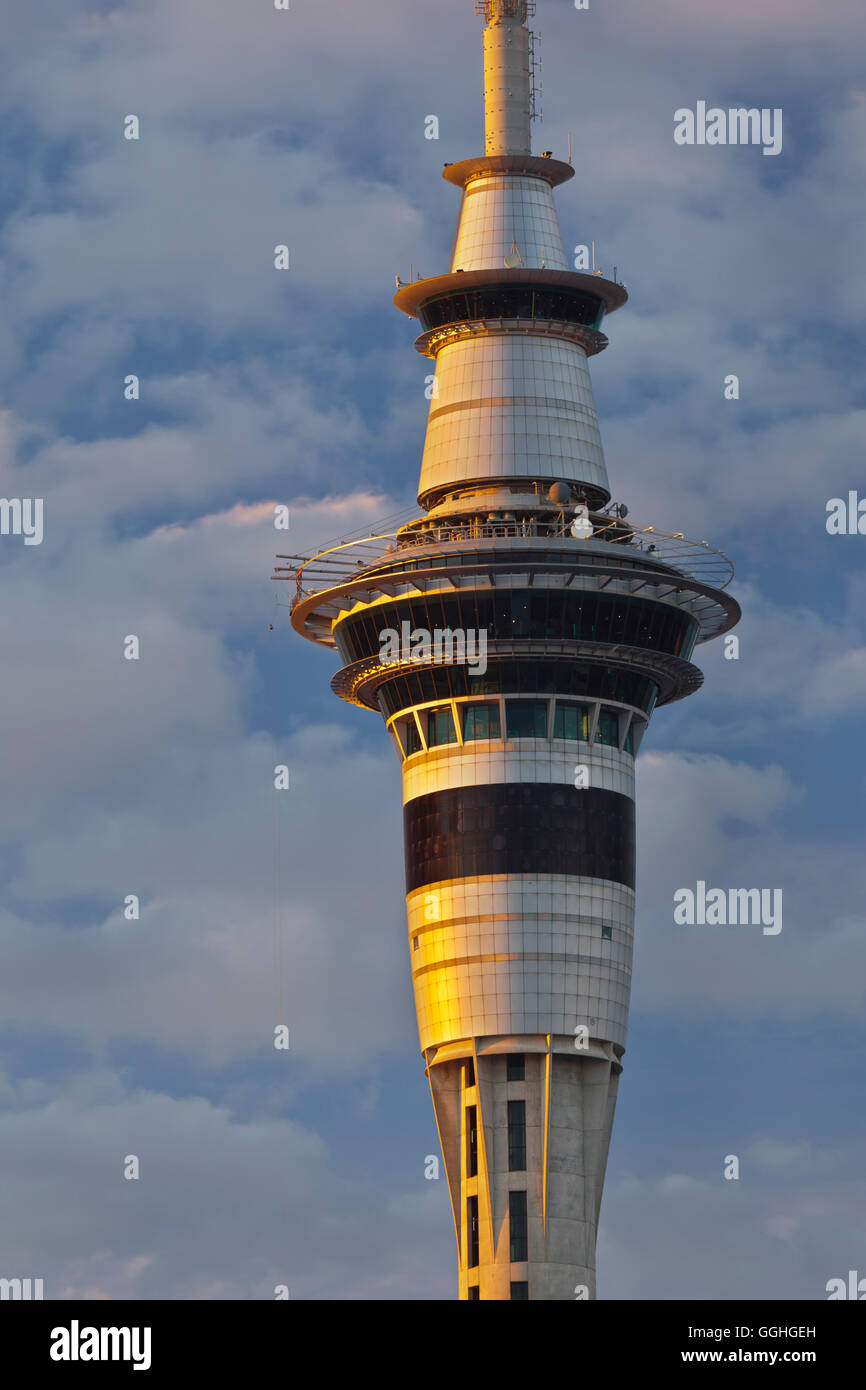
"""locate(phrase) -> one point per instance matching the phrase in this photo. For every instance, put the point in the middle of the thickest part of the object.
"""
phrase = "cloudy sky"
(154, 777)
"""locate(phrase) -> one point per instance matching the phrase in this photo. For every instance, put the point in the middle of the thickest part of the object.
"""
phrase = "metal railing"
(513, 9)
(347, 560)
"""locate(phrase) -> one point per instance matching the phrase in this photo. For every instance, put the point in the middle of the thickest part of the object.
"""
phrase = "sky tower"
(518, 770)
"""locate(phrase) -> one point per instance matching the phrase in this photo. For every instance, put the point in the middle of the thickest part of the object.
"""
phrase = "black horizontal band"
(512, 615)
(519, 828)
(528, 301)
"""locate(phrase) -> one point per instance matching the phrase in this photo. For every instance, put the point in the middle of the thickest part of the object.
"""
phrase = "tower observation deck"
(518, 769)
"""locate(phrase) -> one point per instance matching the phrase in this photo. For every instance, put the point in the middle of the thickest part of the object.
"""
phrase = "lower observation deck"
(450, 554)
(360, 682)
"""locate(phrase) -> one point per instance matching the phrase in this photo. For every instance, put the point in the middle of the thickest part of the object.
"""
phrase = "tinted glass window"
(440, 727)
(607, 729)
(526, 718)
(516, 1069)
(571, 721)
(481, 721)
(471, 1141)
(517, 1225)
(516, 1136)
(472, 1231)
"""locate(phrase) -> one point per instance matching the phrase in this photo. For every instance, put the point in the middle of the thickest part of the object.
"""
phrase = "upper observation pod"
(507, 76)
(512, 322)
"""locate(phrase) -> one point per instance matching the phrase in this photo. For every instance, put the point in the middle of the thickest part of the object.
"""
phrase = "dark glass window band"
(511, 677)
(513, 302)
(539, 614)
(519, 828)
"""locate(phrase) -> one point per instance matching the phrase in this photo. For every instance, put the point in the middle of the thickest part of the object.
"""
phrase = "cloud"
(703, 818)
(780, 1234)
(235, 935)
(222, 1209)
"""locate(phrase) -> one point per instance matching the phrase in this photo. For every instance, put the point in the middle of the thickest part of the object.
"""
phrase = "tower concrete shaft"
(553, 628)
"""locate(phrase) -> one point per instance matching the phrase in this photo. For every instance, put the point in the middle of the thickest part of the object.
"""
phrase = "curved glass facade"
(504, 614)
(513, 302)
(523, 719)
(512, 677)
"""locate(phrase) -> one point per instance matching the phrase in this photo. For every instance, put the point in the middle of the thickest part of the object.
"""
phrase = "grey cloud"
(767, 1235)
(201, 1221)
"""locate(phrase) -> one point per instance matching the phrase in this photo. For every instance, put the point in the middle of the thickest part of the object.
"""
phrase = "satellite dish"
(512, 260)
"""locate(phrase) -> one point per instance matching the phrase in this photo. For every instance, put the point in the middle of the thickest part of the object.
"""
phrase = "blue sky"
(257, 388)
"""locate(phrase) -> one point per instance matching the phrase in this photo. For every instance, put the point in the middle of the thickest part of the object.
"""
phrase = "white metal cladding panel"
(512, 364)
(485, 763)
(521, 953)
(512, 405)
(506, 211)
